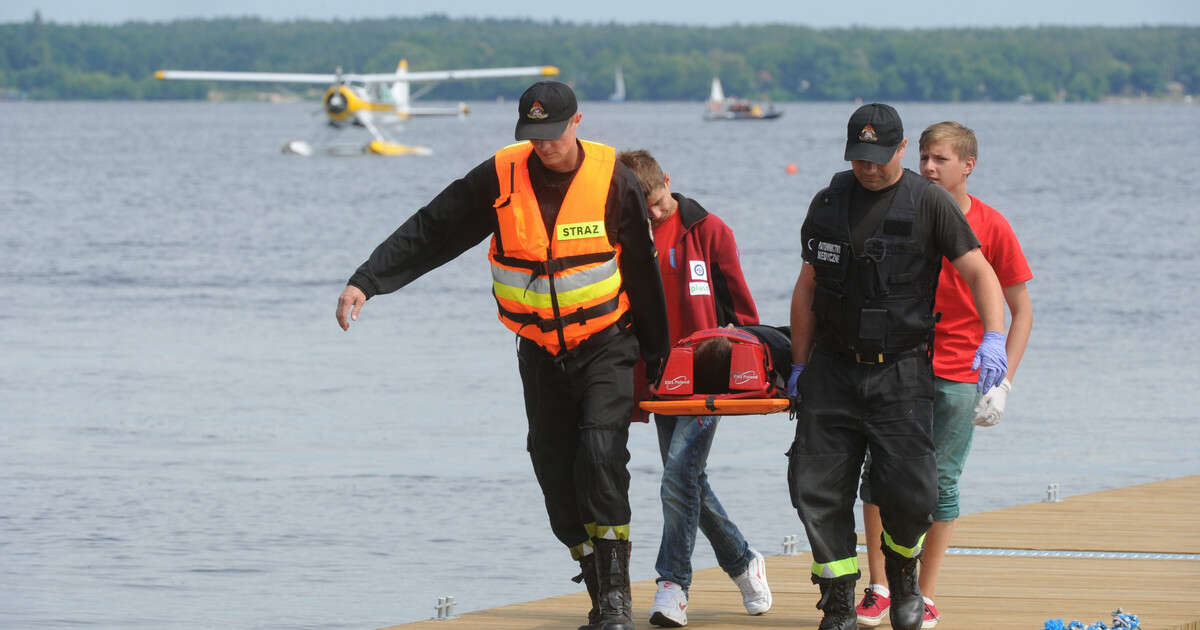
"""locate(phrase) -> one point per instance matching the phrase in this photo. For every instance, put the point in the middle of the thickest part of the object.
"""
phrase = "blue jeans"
(690, 504)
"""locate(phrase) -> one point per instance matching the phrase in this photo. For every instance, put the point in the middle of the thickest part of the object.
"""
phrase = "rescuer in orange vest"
(575, 277)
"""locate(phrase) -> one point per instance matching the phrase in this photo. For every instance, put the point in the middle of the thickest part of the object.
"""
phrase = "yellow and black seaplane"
(368, 100)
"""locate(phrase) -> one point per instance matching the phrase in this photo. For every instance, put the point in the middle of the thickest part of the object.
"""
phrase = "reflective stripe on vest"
(555, 291)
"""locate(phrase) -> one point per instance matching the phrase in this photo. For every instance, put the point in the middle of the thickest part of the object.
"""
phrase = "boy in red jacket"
(704, 288)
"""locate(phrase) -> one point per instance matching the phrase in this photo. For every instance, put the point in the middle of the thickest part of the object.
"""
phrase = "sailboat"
(722, 108)
(618, 94)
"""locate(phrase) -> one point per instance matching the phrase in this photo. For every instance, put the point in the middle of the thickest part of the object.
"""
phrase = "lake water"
(188, 440)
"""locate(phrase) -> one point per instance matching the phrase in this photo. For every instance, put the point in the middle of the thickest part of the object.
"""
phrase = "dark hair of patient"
(710, 366)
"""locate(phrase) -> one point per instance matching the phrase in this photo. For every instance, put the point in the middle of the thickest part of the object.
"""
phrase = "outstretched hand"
(350, 302)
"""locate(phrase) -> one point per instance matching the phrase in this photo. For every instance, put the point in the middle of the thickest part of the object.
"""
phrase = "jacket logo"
(741, 378)
(536, 112)
(677, 382)
(868, 134)
(588, 229)
(829, 252)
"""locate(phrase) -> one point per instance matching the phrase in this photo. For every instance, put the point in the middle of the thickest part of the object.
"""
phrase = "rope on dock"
(1034, 553)
(1055, 553)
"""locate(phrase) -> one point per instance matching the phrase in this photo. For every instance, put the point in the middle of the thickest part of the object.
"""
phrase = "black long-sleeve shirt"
(462, 215)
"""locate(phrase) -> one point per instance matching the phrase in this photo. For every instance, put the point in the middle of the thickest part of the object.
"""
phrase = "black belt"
(875, 358)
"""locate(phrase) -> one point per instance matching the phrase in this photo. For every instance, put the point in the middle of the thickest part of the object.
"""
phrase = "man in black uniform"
(574, 275)
(862, 323)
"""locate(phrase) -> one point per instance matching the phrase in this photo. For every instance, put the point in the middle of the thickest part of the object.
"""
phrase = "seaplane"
(368, 101)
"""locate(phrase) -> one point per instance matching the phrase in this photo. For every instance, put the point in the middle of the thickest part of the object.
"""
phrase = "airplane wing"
(455, 75)
(259, 77)
(458, 110)
(292, 77)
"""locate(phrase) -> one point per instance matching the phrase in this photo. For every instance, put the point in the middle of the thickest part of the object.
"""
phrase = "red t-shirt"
(666, 239)
(959, 332)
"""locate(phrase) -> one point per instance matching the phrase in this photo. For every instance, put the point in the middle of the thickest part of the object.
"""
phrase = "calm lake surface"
(188, 440)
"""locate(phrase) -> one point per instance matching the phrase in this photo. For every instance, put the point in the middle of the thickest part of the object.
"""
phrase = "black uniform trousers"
(846, 406)
(579, 406)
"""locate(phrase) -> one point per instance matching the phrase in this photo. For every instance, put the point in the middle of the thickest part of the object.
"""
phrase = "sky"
(827, 14)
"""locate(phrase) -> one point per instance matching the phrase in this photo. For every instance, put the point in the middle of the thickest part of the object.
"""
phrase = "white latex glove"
(990, 408)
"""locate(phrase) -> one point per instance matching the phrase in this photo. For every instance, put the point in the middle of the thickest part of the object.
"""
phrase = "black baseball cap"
(544, 111)
(873, 133)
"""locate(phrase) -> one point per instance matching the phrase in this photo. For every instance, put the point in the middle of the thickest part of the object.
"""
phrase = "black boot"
(613, 596)
(588, 575)
(908, 607)
(837, 600)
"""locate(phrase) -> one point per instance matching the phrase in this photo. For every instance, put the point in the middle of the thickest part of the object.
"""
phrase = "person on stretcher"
(743, 362)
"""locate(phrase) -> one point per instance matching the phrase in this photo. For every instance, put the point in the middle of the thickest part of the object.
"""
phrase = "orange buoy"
(791, 169)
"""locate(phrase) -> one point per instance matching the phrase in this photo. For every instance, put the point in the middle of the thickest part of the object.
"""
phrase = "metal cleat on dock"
(444, 608)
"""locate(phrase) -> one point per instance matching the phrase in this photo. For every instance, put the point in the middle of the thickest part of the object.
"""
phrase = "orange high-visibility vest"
(556, 291)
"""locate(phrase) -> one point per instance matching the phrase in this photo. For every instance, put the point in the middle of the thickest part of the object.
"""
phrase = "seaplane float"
(369, 101)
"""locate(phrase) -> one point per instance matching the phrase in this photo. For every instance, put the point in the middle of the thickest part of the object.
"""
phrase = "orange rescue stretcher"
(708, 406)
(751, 390)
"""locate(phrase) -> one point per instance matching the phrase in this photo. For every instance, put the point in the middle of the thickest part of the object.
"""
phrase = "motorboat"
(721, 107)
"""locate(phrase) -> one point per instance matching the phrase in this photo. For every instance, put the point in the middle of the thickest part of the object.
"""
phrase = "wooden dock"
(985, 591)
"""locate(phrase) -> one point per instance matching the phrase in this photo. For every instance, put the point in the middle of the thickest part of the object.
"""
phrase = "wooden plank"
(1159, 517)
(994, 592)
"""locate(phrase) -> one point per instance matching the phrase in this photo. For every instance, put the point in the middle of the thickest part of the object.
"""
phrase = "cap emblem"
(868, 134)
(536, 112)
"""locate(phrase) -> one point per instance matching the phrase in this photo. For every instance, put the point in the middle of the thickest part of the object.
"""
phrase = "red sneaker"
(873, 608)
(931, 614)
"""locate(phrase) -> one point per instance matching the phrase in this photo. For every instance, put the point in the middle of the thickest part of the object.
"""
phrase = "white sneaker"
(756, 595)
(670, 606)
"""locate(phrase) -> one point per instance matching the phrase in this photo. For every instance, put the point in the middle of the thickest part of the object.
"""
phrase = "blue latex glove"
(991, 360)
(792, 390)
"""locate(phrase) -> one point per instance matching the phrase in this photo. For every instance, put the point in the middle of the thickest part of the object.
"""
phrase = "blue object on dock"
(1121, 621)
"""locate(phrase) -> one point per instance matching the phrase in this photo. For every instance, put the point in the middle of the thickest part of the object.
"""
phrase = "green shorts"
(953, 429)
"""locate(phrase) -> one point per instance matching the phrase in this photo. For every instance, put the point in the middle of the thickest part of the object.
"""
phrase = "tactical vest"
(556, 291)
(879, 300)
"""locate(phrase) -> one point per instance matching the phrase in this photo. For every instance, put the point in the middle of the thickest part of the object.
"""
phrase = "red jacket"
(702, 280)
(702, 274)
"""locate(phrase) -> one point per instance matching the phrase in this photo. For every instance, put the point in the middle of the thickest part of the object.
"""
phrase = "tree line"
(47, 60)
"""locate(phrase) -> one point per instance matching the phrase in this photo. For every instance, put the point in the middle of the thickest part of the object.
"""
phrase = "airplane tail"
(400, 91)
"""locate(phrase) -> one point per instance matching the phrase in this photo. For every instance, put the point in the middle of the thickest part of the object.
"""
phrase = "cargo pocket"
(793, 485)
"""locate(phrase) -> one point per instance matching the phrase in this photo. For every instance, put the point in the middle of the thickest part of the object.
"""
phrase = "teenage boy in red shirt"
(948, 154)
